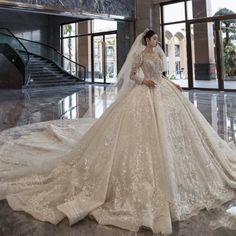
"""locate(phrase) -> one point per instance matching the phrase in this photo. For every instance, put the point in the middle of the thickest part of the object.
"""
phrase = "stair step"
(42, 64)
(50, 80)
(61, 82)
(53, 76)
(54, 84)
(46, 74)
(55, 80)
(39, 63)
(38, 60)
(46, 67)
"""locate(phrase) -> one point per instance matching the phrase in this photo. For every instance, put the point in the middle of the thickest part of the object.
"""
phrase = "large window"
(205, 33)
(99, 26)
(180, 10)
(176, 52)
(174, 12)
(105, 57)
(78, 45)
(174, 17)
(220, 7)
(177, 47)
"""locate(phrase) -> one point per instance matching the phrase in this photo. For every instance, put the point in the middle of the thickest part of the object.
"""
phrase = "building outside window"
(203, 40)
(93, 44)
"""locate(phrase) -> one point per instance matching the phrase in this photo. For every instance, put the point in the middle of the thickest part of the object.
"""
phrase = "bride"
(151, 158)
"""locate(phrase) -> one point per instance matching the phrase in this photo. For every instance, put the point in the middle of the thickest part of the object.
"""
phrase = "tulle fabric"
(151, 159)
(124, 83)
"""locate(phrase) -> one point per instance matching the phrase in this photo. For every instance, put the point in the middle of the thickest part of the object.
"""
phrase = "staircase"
(42, 65)
(44, 73)
(12, 72)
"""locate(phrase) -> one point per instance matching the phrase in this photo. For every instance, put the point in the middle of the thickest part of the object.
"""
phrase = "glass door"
(110, 58)
(204, 55)
(176, 53)
(69, 47)
(104, 58)
(98, 59)
(228, 39)
(212, 54)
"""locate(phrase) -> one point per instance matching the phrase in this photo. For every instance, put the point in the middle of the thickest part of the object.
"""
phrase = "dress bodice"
(151, 65)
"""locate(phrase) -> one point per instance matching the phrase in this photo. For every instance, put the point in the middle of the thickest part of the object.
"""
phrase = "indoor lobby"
(60, 62)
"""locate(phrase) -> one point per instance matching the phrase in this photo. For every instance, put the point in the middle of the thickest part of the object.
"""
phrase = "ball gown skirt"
(151, 159)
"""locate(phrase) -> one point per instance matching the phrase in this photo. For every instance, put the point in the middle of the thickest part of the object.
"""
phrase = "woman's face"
(152, 41)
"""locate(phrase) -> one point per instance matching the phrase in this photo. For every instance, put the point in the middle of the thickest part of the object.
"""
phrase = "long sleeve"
(163, 58)
(135, 67)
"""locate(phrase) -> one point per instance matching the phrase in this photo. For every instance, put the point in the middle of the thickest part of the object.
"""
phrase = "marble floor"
(213, 84)
(21, 107)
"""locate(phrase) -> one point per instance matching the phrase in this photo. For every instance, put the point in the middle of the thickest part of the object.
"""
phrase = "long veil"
(65, 132)
(124, 82)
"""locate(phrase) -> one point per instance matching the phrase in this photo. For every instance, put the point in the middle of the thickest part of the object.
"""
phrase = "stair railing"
(6, 36)
(73, 68)
(28, 46)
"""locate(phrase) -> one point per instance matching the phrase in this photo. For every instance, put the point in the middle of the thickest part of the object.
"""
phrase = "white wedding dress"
(150, 159)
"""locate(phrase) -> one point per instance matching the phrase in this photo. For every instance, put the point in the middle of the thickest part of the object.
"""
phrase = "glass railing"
(25, 47)
(7, 37)
(46, 51)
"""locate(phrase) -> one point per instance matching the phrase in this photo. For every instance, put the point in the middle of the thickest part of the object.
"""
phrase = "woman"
(150, 159)
(150, 41)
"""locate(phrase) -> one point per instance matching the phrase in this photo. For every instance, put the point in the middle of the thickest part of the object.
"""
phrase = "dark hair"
(148, 35)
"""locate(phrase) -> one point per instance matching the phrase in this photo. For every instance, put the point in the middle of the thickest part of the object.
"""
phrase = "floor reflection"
(19, 107)
(206, 83)
(89, 102)
(219, 108)
(24, 224)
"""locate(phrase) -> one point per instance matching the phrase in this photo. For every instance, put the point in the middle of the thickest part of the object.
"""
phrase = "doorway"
(200, 46)
(104, 57)
(212, 53)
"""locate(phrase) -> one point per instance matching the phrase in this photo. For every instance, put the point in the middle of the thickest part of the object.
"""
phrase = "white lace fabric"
(149, 160)
(151, 65)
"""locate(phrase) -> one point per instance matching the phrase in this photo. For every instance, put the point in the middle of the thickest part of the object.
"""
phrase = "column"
(203, 42)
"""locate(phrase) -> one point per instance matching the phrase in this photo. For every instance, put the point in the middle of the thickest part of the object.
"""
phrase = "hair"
(147, 35)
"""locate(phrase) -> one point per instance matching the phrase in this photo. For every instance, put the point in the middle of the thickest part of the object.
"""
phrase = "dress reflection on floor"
(222, 120)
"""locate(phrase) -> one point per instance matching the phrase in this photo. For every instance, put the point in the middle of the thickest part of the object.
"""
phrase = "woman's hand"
(150, 83)
(178, 87)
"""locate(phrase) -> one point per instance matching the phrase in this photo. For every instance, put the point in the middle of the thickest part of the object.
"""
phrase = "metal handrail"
(26, 62)
(79, 68)
(48, 46)
(56, 51)
(12, 35)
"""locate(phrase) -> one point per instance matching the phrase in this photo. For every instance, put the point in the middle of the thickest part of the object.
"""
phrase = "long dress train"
(149, 160)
